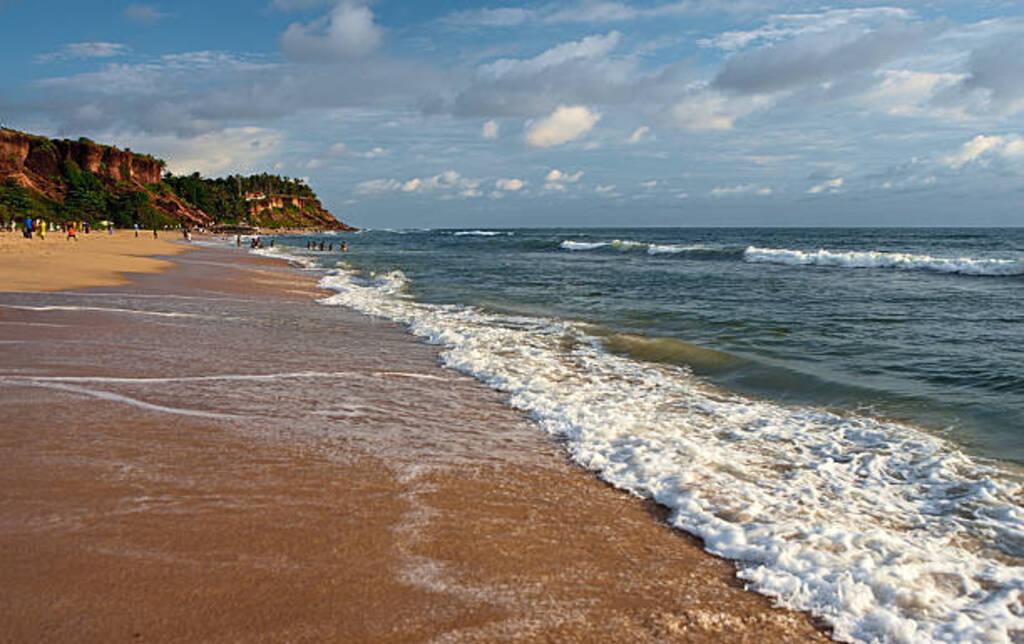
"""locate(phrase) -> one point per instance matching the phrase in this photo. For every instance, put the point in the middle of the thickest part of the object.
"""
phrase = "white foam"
(569, 244)
(481, 233)
(631, 245)
(884, 531)
(118, 398)
(100, 309)
(878, 259)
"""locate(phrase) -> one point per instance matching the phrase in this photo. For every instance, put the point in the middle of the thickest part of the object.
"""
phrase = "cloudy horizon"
(611, 113)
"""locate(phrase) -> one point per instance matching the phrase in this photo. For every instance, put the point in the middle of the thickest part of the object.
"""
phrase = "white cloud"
(905, 92)
(784, 26)
(589, 47)
(230, 150)
(78, 50)
(653, 183)
(562, 177)
(342, 149)
(144, 13)
(378, 186)
(510, 185)
(604, 190)
(490, 130)
(638, 134)
(502, 17)
(981, 148)
(313, 164)
(563, 125)
(744, 189)
(832, 186)
(347, 31)
(448, 181)
(708, 110)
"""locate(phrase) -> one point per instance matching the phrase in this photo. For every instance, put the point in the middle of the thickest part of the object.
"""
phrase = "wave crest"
(880, 259)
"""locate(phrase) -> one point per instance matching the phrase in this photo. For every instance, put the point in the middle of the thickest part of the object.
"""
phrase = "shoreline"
(392, 510)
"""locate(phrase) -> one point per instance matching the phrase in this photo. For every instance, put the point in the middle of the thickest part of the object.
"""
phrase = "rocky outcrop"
(286, 210)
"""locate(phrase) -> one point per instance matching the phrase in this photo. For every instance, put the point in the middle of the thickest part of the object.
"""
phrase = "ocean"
(838, 411)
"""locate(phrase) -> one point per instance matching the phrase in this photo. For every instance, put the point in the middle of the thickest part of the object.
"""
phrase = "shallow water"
(823, 407)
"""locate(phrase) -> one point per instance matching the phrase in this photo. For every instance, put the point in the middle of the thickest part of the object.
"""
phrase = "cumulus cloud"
(557, 175)
(744, 189)
(830, 186)
(449, 181)
(348, 31)
(79, 50)
(908, 92)
(709, 110)
(490, 130)
(509, 185)
(638, 134)
(238, 149)
(144, 13)
(566, 123)
(982, 148)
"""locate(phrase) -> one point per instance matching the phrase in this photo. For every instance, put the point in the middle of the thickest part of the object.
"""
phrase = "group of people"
(312, 245)
(39, 227)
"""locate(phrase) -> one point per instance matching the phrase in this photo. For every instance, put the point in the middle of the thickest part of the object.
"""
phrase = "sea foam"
(631, 245)
(878, 259)
(886, 532)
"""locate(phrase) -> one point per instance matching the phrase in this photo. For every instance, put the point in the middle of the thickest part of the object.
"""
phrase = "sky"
(449, 114)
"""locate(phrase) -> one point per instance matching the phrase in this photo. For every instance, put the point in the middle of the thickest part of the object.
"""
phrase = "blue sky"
(456, 114)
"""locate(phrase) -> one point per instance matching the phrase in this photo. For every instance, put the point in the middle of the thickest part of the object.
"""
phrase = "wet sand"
(207, 454)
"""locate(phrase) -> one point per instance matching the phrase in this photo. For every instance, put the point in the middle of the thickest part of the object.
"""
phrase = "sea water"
(840, 412)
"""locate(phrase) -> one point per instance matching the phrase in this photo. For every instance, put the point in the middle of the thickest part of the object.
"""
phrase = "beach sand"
(206, 454)
(96, 259)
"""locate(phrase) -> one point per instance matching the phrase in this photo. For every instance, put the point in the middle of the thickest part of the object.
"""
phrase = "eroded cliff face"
(40, 164)
(283, 210)
(40, 160)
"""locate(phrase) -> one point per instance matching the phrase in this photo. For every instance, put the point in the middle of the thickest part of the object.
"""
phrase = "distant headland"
(63, 179)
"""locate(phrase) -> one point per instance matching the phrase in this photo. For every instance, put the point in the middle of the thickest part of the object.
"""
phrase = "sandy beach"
(195, 450)
(96, 259)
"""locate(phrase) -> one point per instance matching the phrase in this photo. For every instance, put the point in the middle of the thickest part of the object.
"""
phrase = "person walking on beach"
(71, 231)
(28, 228)
(136, 230)
(154, 232)
(110, 227)
(42, 229)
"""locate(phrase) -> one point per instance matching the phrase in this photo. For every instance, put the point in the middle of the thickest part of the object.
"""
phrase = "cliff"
(62, 179)
(276, 211)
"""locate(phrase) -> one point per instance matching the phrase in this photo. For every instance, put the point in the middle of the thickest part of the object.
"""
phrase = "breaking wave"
(879, 259)
(886, 532)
